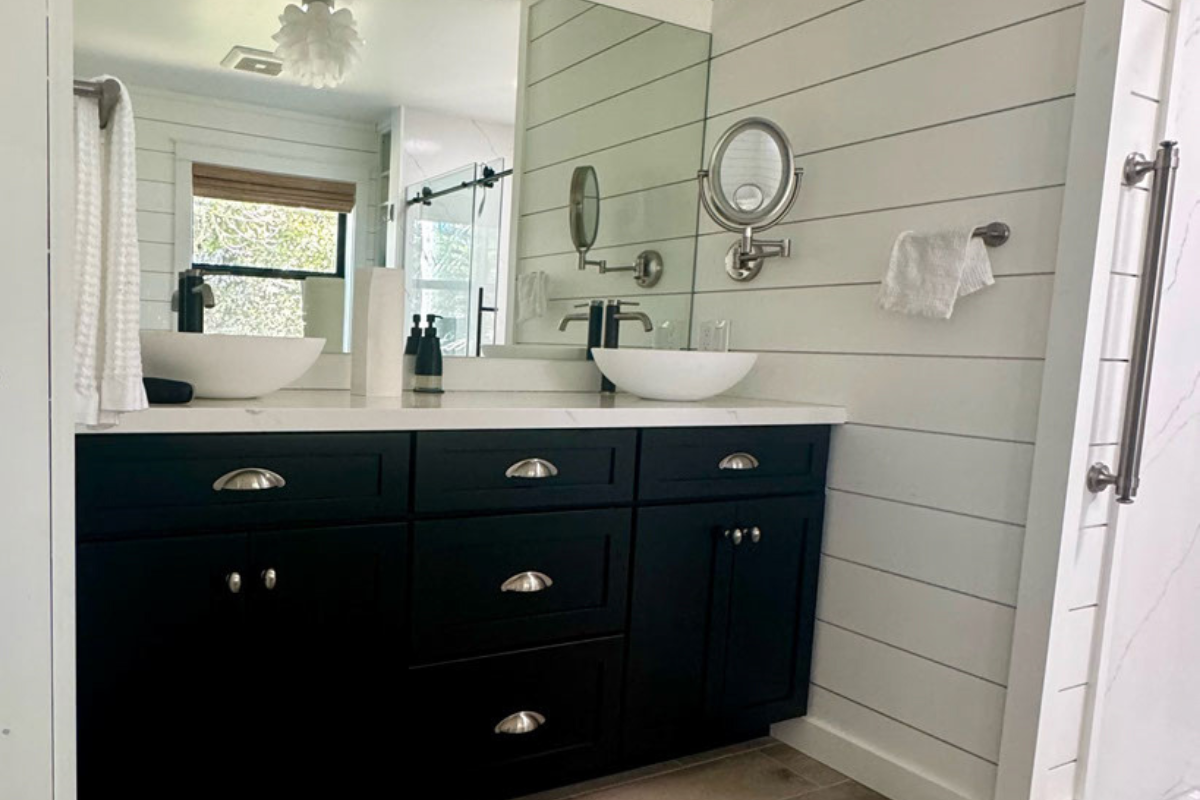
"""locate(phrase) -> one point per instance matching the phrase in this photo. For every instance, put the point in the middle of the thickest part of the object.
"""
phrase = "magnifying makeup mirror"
(750, 185)
(584, 209)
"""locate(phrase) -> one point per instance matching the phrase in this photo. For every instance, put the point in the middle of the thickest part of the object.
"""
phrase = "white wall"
(689, 13)
(166, 119)
(906, 115)
(625, 94)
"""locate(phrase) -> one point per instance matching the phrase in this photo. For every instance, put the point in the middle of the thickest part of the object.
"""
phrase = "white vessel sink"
(227, 367)
(674, 374)
(544, 352)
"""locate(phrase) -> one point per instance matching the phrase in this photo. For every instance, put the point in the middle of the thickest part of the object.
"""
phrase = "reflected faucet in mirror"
(584, 206)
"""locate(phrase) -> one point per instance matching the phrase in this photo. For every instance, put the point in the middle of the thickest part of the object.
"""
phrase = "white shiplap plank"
(156, 256)
(1149, 30)
(661, 309)
(855, 249)
(1110, 402)
(1066, 711)
(1074, 644)
(156, 316)
(1006, 320)
(156, 227)
(976, 477)
(955, 630)
(566, 281)
(1118, 324)
(947, 704)
(1087, 567)
(738, 24)
(283, 142)
(669, 157)
(669, 103)
(549, 14)
(863, 35)
(967, 775)
(996, 398)
(654, 215)
(977, 76)
(978, 557)
(156, 196)
(1019, 149)
(157, 286)
(154, 166)
(1060, 782)
(222, 115)
(657, 53)
(580, 39)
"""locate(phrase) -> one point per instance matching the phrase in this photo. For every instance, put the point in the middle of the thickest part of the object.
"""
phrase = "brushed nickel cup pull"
(738, 536)
(520, 723)
(249, 479)
(738, 462)
(532, 469)
(527, 583)
(233, 581)
(270, 579)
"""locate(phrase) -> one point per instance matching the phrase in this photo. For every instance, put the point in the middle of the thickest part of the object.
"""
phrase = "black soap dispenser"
(428, 370)
(411, 346)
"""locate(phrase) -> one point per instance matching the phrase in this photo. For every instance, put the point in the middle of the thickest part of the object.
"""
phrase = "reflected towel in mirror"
(533, 296)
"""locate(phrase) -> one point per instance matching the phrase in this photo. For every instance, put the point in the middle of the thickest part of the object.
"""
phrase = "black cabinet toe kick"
(368, 613)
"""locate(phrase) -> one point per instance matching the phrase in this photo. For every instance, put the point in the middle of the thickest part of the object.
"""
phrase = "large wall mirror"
(277, 181)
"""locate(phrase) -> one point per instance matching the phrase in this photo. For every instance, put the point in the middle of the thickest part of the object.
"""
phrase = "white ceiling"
(456, 56)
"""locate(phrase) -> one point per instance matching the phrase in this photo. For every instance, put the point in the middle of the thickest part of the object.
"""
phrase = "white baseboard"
(857, 760)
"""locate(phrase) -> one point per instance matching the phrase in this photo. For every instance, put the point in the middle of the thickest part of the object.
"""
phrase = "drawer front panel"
(168, 483)
(496, 583)
(570, 696)
(680, 464)
(523, 470)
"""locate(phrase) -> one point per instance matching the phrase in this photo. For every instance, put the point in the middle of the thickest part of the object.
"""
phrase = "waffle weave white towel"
(108, 353)
(928, 272)
(533, 296)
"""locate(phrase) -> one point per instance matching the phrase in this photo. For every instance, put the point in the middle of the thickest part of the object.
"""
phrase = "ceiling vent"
(248, 59)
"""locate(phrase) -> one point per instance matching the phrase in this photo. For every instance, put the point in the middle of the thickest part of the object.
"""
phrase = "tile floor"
(763, 769)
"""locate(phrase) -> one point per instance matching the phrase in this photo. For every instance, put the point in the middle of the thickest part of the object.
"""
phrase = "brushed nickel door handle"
(249, 479)
(520, 723)
(738, 462)
(532, 469)
(527, 583)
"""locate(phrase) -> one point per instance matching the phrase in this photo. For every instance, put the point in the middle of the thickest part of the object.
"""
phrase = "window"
(258, 237)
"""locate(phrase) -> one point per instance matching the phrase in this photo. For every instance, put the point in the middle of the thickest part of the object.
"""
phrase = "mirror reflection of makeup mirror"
(751, 184)
(584, 208)
(585, 211)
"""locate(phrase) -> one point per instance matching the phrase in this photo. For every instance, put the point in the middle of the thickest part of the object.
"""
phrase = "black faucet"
(190, 300)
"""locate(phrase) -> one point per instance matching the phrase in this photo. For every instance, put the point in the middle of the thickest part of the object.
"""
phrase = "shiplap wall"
(625, 94)
(1136, 115)
(916, 115)
(165, 118)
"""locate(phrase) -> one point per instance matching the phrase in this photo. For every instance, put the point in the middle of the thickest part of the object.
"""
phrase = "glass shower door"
(452, 250)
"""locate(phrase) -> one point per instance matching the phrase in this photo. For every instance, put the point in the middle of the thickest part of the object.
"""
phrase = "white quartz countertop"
(294, 411)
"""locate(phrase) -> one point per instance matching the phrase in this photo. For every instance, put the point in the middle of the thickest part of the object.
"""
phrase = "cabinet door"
(161, 663)
(764, 606)
(327, 632)
(669, 627)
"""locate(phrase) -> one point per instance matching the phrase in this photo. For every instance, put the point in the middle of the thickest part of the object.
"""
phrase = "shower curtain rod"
(108, 92)
(427, 195)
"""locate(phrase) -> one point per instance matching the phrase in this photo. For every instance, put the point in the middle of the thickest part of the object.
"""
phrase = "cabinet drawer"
(169, 483)
(570, 699)
(496, 583)
(679, 464)
(523, 470)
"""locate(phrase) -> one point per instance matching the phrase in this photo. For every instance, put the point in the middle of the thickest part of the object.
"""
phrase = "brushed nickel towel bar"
(108, 92)
(1141, 363)
(994, 234)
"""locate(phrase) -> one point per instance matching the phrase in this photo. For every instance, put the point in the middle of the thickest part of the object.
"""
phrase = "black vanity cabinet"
(488, 613)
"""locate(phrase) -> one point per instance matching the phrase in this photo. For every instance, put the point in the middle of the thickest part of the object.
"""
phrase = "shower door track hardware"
(1163, 167)
(488, 180)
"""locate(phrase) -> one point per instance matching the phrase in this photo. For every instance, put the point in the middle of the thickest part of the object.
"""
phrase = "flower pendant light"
(317, 44)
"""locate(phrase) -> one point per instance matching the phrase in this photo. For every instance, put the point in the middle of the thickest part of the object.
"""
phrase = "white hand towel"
(533, 297)
(928, 272)
(108, 353)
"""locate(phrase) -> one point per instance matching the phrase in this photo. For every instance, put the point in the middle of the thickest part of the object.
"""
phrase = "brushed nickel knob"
(738, 536)
(233, 581)
(756, 534)
(270, 578)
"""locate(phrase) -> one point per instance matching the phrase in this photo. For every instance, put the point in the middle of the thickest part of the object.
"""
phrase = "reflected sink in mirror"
(674, 375)
(228, 367)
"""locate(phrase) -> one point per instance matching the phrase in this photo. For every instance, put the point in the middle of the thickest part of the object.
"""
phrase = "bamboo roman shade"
(249, 186)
